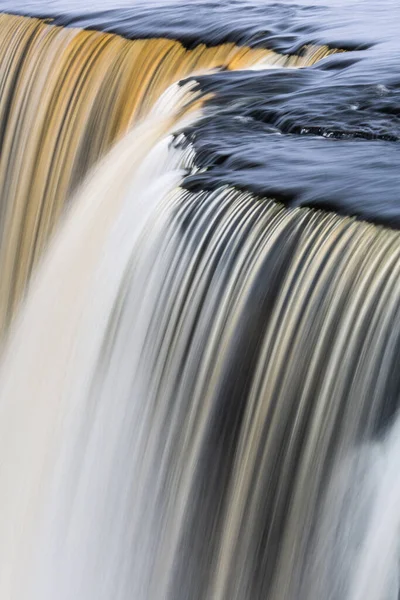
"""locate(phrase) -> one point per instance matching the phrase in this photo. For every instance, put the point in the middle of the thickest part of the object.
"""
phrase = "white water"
(68, 456)
(376, 574)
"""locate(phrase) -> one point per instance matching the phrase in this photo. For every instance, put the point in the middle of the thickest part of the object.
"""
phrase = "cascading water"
(199, 378)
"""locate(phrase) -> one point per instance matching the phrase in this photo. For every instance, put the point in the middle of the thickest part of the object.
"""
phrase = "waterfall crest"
(198, 389)
(66, 96)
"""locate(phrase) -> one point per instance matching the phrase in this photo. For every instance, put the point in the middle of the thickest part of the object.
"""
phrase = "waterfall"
(198, 388)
